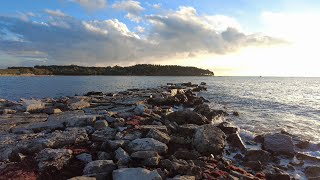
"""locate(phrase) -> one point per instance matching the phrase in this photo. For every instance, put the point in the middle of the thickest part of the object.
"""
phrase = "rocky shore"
(167, 132)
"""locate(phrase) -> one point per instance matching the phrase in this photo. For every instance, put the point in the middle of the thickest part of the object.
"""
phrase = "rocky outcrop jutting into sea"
(167, 132)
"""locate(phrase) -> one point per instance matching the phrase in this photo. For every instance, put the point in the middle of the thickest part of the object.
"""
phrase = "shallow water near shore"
(265, 104)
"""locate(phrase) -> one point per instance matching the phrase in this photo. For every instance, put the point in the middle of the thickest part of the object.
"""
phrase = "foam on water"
(271, 104)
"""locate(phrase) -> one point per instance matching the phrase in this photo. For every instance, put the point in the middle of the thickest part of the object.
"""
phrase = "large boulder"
(53, 159)
(100, 168)
(187, 117)
(279, 143)
(135, 174)
(147, 144)
(209, 139)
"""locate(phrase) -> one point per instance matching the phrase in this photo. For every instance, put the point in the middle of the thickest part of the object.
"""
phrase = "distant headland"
(136, 70)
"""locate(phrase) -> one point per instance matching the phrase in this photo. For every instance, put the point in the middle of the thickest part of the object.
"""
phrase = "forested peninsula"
(136, 70)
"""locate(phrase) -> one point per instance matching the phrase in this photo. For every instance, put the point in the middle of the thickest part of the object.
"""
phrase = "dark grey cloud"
(64, 40)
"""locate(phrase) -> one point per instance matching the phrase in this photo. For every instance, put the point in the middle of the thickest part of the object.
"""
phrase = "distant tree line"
(136, 70)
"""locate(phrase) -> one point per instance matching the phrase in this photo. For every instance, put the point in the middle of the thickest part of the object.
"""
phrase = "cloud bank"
(63, 39)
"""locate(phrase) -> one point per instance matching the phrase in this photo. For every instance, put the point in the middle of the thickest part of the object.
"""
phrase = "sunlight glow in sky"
(242, 37)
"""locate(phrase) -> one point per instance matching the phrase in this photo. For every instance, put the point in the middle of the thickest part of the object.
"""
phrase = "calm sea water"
(265, 104)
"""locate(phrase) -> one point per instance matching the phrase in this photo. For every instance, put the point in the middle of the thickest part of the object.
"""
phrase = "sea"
(265, 104)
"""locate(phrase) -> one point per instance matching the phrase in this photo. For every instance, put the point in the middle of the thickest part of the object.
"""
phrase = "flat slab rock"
(53, 158)
(147, 144)
(11, 121)
(135, 174)
(99, 167)
(279, 143)
(58, 121)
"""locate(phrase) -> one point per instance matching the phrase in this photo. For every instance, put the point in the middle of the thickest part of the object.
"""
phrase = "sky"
(231, 38)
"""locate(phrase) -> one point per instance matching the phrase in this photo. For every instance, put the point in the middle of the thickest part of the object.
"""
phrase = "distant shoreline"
(136, 70)
(34, 75)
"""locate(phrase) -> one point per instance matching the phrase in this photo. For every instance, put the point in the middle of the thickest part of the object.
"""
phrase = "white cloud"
(297, 27)
(221, 22)
(140, 29)
(157, 6)
(26, 16)
(66, 40)
(91, 4)
(55, 12)
(134, 17)
(133, 8)
(130, 6)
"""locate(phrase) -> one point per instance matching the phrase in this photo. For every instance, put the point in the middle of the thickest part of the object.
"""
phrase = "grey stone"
(99, 168)
(188, 129)
(100, 124)
(279, 143)
(139, 110)
(104, 156)
(209, 139)
(32, 105)
(158, 135)
(79, 105)
(109, 118)
(132, 135)
(187, 154)
(84, 157)
(70, 136)
(52, 110)
(53, 158)
(72, 119)
(122, 155)
(135, 174)
(147, 128)
(113, 144)
(236, 141)
(144, 154)
(153, 161)
(104, 134)
(147, 144)
(187, 117)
